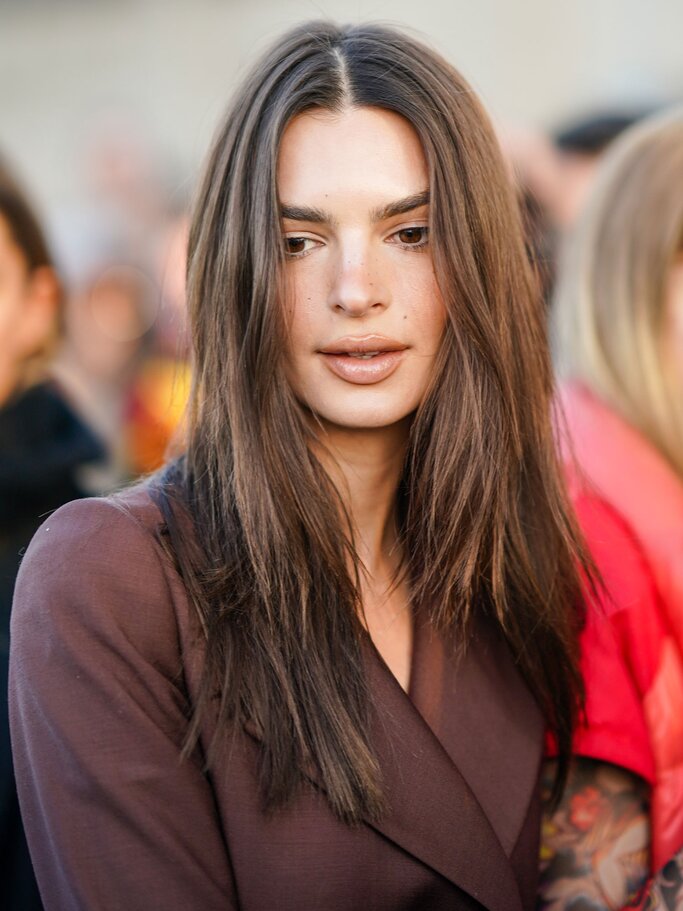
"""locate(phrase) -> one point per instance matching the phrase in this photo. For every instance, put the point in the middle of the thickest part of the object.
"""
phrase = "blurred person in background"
(124, 359)
(108, 335)
(159, 394)
(533, 163)
(579, 147)
(554, 175)
(123, 246)
(618, 326)
(43, 448)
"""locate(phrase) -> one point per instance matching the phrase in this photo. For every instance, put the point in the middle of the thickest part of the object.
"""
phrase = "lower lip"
(364, 371)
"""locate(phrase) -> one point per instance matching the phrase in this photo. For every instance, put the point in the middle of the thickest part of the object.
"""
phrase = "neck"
(366, 466)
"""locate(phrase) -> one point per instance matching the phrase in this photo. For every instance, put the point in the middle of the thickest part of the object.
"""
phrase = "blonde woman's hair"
(610, 321)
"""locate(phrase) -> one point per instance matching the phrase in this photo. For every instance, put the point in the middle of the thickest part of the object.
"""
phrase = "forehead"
(367, 151)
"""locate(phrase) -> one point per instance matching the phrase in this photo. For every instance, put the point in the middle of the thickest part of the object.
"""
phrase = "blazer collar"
(459, 756)
(486, 719)
(460, 761)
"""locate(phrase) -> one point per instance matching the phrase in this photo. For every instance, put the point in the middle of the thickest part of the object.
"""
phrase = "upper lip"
(350, 344)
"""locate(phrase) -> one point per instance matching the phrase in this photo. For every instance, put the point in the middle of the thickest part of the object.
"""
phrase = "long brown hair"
(611, 318)
(484, 523)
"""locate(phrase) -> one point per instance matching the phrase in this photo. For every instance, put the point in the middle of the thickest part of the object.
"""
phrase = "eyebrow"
(319, 216)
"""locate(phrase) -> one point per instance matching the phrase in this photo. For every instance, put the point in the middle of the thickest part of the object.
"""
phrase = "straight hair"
(484, 523)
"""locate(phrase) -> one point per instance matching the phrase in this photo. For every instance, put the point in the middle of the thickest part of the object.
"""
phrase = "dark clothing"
(107, 654)
(42, 444)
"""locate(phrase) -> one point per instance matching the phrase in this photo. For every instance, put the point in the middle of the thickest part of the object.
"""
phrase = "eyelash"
(418, 246)
(403, 246)
(302, 253)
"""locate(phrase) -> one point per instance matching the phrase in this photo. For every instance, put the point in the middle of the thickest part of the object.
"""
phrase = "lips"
(363, 360)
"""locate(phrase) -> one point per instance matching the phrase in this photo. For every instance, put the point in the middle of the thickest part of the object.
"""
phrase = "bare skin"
(366, 468)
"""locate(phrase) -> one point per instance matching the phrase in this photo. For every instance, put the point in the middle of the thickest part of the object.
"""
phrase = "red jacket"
(630, 506)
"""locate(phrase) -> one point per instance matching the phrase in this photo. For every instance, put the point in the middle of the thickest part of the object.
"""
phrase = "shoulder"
(101, 530)
(103, 536)
(95, 570)
(132, 511)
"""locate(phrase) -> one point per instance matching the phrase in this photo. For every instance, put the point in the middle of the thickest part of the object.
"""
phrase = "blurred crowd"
(119, 255)
(554, 172)
(94, 370)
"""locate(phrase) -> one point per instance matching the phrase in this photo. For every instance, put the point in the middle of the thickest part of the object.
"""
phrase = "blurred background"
(107, 108)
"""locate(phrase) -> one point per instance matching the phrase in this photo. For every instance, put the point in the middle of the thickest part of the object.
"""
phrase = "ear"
(38, 318)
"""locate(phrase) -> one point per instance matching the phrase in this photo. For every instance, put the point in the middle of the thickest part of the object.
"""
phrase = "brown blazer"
(106, 658)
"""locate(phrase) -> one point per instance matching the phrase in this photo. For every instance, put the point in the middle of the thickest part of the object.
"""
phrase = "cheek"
(436, 317)
(304, 300)
(300, 321)
(302, 334)
(424, 312)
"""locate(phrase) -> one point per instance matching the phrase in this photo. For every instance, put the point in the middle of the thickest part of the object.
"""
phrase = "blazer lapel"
(433, 812)
(459, 763)
(483, 695)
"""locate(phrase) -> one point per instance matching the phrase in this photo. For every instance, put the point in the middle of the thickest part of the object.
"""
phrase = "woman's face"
(27, 310)
(365, 314)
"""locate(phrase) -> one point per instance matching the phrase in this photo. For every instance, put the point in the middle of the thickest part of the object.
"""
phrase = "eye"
(415, 236)
(298, 246)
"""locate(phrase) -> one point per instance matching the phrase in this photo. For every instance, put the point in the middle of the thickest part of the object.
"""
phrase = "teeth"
(364, 355)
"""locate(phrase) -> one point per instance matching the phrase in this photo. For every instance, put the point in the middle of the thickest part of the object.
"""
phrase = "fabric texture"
(630, 506)
(106, 662)
(42, 446)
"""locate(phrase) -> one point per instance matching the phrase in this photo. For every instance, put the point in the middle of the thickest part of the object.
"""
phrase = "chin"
(363, 416)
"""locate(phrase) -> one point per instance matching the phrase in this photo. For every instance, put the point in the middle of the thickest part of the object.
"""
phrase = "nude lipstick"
(363, 360)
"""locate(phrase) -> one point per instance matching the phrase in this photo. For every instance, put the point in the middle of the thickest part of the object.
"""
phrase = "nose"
(358, 286)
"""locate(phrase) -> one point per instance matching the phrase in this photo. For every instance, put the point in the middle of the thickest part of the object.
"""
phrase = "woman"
(310, 665)
(619, 330)
(43, 446)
